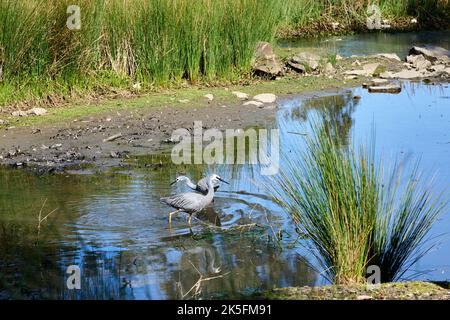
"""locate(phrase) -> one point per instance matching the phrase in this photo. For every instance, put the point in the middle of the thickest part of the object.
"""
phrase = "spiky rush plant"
(338, 197)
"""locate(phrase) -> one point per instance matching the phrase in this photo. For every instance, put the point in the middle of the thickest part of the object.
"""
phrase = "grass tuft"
(339, 198)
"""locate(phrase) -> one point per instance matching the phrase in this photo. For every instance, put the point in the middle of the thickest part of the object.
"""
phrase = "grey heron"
(191, 202)
(201, 186)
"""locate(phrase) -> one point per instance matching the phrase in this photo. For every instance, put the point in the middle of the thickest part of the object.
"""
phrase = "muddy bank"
(114, 135)
(386, 291)
(108, 139)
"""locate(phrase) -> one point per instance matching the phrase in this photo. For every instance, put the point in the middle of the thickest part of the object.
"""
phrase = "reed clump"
(158, 42)
(354, 213)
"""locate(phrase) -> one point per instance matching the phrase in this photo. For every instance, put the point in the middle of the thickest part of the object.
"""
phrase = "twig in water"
(197, 286)
(40, 219)
(298, 133)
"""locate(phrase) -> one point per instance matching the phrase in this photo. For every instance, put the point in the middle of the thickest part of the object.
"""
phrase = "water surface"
(373, 43)
(113, 226)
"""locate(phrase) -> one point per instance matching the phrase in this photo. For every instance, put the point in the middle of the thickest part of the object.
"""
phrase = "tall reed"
(339, 198)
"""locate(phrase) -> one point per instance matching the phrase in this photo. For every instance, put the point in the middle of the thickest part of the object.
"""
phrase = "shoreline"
(410, 290)
(111, 132)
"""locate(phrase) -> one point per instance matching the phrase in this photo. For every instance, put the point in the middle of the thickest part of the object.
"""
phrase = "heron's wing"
(202, 185)
(189, 201)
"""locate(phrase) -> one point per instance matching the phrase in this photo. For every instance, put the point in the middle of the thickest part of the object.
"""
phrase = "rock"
(183, 101)
(136, 86)
(367, 70)
(375, 82)
(431, 53)
(209, 96)
(391, 56)
(265, 98)
(37, 111)
(404, 74)
(413, 20)
(408, 74)
(418, 61)
(329, 69)
(392, 88)
(253, 103)
(350, 77)
(356, 63)
(19, 113)
(447, 71)
(309, 61)
(240, 95)
(438, 68)
(296, 67)
(266, 63)
(113, 137)
(3, 122)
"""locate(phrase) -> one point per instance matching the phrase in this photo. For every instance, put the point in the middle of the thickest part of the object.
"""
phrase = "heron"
(201, 186)
(192, 202)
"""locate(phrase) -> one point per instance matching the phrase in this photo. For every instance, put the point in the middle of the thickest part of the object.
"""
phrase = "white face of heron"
(182, 178)
(215, 178)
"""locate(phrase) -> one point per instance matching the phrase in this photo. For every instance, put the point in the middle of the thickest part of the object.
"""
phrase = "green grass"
(338, 196)
(154, 42)
(158, 43)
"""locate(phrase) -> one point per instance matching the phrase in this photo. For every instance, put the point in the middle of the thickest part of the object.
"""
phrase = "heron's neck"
(210, 193)
(190, 184)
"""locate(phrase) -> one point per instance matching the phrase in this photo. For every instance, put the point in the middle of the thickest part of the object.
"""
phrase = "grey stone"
(265, 98)
(253, 103)
(367, 70)
(431, 53)
(307, 60)
(240, 95)
(392, 88)
(266, 62)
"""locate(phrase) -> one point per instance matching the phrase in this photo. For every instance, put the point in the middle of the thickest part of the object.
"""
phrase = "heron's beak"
(172, 183)
(220, 179)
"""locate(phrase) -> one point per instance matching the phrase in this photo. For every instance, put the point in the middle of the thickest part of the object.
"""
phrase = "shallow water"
(113, 226)
(372, 43)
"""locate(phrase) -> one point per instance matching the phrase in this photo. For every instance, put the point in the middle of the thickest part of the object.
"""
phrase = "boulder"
(266, 63)
(265, 98)
(209, 96)
(431, 53)
(305, 60)
(418, 61)
(367, 70)
(438, 68)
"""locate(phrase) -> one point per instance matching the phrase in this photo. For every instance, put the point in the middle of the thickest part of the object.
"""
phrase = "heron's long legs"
(190, 219)
(172, 213)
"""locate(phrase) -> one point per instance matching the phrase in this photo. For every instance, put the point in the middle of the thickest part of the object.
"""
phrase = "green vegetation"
(340, 199)
(386, 291)
(120, 43)
(311, 17)
(124, 45)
